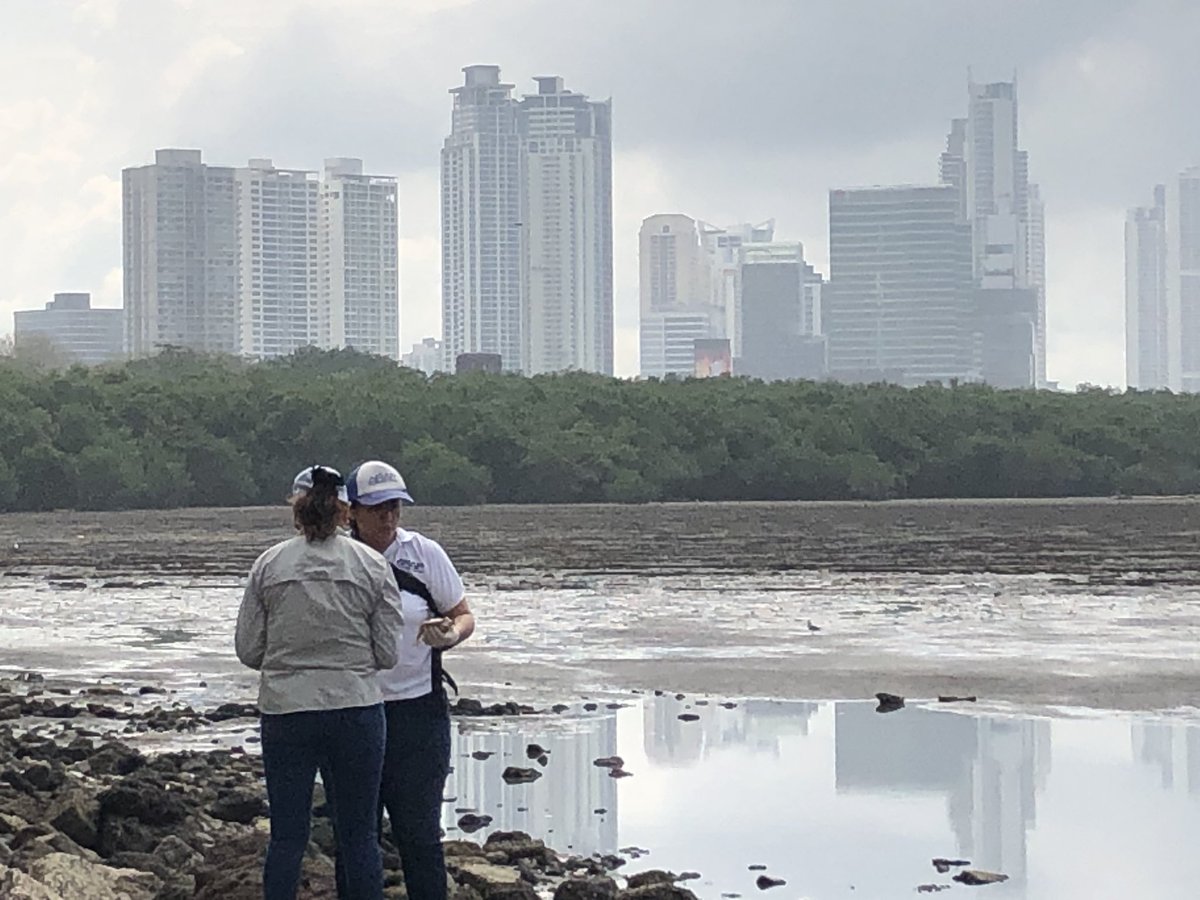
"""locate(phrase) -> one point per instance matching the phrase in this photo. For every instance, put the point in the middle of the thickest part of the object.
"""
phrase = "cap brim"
(377, 497)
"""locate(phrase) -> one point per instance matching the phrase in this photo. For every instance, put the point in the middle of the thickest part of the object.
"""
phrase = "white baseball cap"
(303, 482)
(375, 482)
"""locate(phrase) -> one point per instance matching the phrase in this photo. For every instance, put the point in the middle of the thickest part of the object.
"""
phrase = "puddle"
(841, 801)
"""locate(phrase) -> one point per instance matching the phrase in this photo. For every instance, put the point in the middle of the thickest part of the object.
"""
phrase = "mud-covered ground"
(1091, 603)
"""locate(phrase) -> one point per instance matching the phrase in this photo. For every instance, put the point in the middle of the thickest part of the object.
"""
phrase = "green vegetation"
(183, 429)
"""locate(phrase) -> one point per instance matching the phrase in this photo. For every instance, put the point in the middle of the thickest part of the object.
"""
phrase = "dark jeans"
(416, 763)
(347, 745)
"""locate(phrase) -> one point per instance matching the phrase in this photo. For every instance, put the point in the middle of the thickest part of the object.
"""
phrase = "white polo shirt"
(424, 559)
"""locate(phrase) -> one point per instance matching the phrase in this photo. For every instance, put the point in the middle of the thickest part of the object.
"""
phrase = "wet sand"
(1082, 602)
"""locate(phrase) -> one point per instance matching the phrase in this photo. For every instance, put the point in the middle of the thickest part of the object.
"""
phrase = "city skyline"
(872, 125)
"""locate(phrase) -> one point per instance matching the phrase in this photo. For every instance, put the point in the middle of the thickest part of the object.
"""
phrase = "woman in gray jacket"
(319, 620)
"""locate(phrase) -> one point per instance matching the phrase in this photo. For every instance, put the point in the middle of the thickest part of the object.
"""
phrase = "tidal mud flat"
(1091, 603)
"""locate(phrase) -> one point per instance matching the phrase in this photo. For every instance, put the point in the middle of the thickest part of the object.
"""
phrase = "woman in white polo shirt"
(436, 618)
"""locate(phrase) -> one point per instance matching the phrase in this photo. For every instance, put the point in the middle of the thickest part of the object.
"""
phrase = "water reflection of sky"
(844, 802)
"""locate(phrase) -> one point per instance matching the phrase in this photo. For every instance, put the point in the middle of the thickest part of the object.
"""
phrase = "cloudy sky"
(726, 111)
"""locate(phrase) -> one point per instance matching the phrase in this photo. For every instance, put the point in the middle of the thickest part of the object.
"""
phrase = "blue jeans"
(416, 763)
(348, 745)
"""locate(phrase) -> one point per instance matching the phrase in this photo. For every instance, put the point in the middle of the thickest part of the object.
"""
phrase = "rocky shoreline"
(85, 816)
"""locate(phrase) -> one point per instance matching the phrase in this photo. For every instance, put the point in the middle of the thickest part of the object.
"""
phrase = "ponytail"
(319, 511)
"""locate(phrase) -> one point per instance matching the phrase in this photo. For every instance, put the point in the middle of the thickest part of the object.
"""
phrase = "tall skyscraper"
(73, 328)
(277, 259)
(359, 268)
(566, 211)
(481, 222)
(180, 255)
(983, 162)
(527, 226)
(901, 304)
(781, 314)
(1147, 320)
(1183, 273)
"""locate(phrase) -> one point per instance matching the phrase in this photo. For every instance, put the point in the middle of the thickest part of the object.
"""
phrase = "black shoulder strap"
(407, 581)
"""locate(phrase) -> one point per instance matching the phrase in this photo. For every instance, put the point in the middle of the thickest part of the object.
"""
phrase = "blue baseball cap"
(375, 482)
(303, 482)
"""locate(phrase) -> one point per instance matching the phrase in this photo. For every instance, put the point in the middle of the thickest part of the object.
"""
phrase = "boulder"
(595, 887)
(659, 890)
(650, 876)
(519, 775)
(239, 805)
(77, 815)
(70, 876)
(491, 881)
(149, 803)
(16, 885)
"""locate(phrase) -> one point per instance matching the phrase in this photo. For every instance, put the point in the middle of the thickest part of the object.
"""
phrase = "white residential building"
(1183, 278)
(481, 222)
(566, 211)
(180, 255)
(359, 269)
(277, 259)
(1147, 320)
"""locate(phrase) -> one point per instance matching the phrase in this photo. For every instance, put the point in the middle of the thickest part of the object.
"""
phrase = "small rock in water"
(688, 876)
(932, 888)
(757, 867)
(688, 717)
(763, 882)
(517, 775)
(812, 627)
(543, 760)
(729, 704)
(533, 751)
(590, 707)
(618, 772)
(950, 698)
(472, 823)
(609, 762)
(658, 693)
(483, 754)
(560, 707)
(702, 703)
(945, 865)
(978, 876)
(600, 810)
(680, 696)
(888, 702)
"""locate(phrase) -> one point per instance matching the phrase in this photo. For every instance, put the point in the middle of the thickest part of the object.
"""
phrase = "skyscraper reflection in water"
(989, 770)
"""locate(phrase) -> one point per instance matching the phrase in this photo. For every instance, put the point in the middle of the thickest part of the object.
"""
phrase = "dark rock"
(594, 887)
(543, 761)
(483, 754)
(227, 711)
(756, 867)
(618, 772)
(461, 848)
(470, 822)
(177, 854)
(651, 876)
(729, 704)
(533, 751)
(44, 777)
(932, 888)
(115, 759)
(145, 801)
(466, 706)
(240, 805)
(688, 717)
(689, 876)
(945, 865)
(888, 702)
(610, 861)
(680, 696)
(978, 876)
(950, 698)
(765, 882)
(560, 707)
(609, 762)
(590, 707)
(657, 891)
(518, 775)
(150, 689)
(77, 816)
